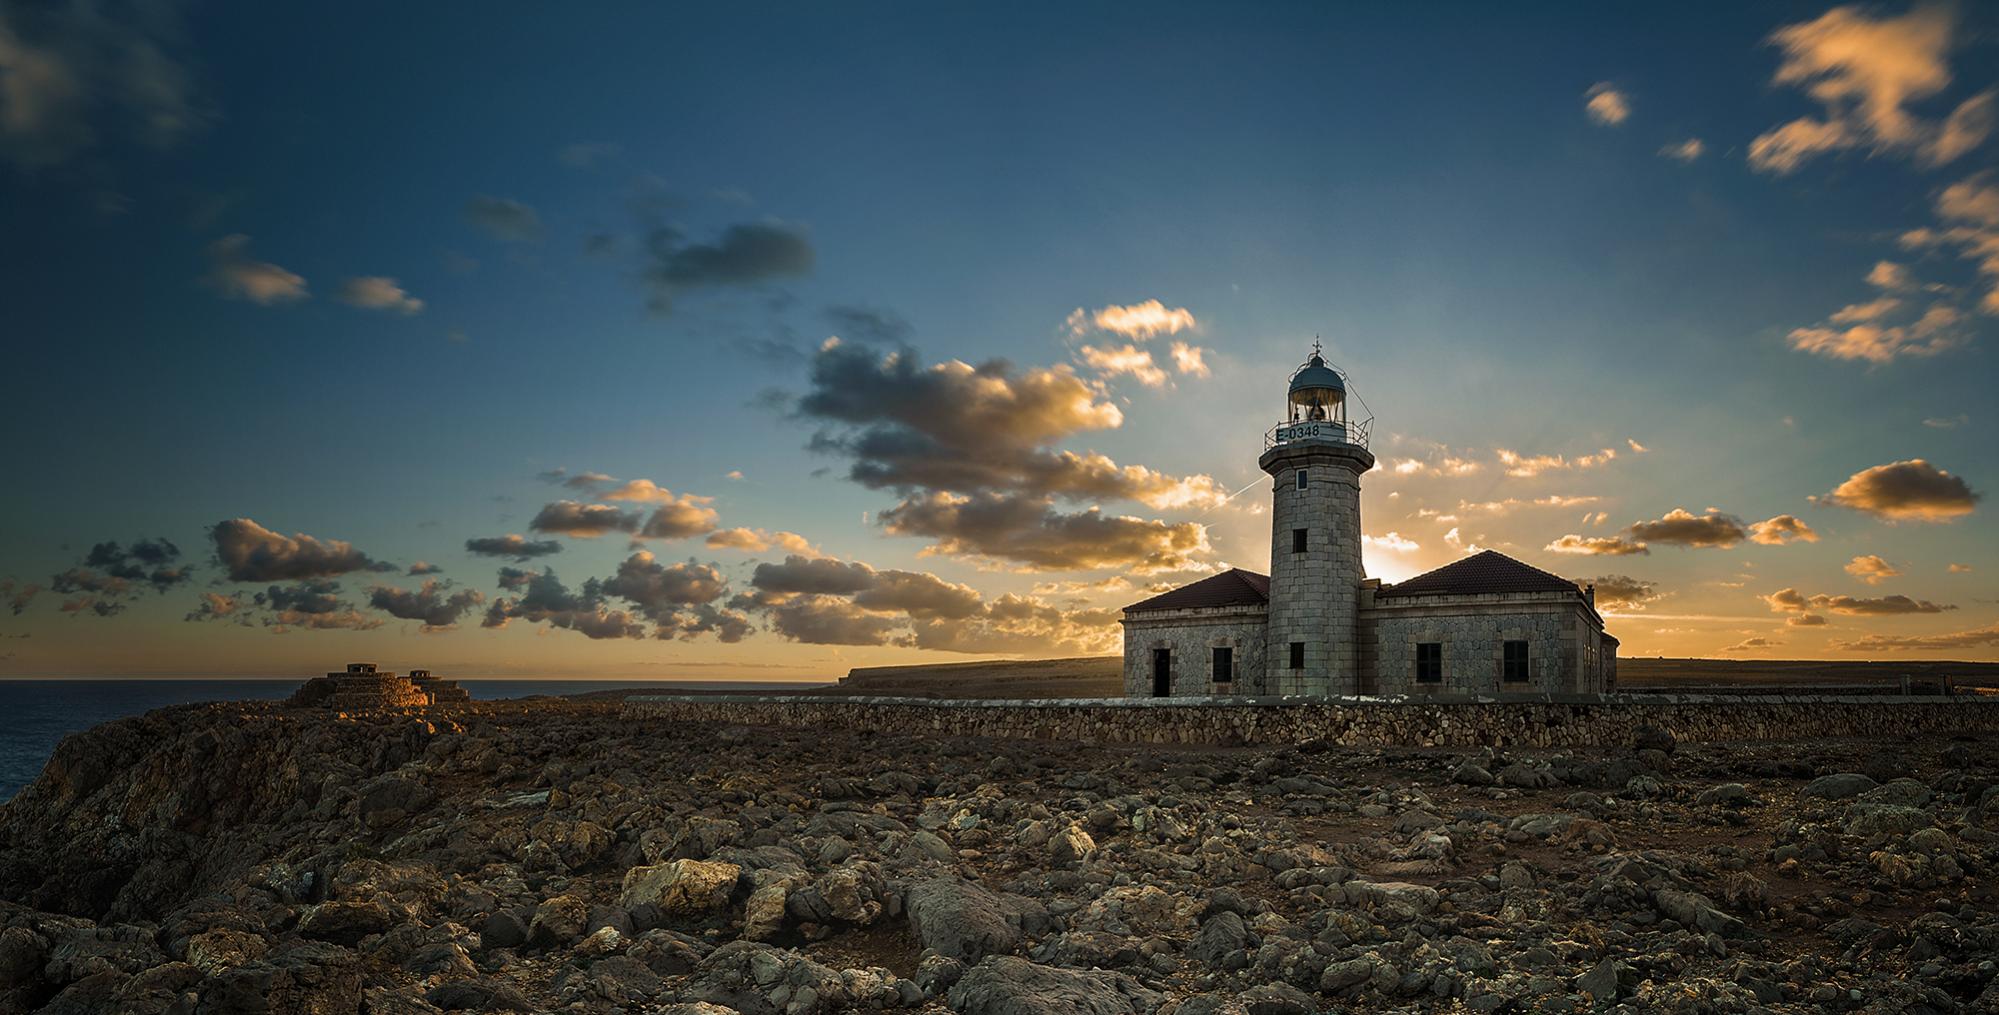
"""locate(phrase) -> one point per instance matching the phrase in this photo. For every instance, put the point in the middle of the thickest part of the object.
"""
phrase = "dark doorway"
(1162, 673)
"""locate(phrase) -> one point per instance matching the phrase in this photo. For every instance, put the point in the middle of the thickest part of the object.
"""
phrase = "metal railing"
(1354, 432)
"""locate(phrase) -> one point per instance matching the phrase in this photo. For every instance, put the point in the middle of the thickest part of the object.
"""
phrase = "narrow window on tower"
(1298, 540)
(1430, 662)
(1301, 479)
(1515, 671)
(1297, 655)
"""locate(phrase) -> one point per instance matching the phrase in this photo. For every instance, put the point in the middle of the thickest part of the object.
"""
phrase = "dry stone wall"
(1354, 722)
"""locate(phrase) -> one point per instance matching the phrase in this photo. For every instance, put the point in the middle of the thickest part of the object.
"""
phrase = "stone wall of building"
(1192, 636)
(1350, 722)
(1559, 633)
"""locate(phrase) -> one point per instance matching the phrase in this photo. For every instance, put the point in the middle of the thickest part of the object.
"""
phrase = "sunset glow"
(725, 346)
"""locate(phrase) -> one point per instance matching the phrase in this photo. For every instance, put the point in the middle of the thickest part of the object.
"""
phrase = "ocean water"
(36, 714)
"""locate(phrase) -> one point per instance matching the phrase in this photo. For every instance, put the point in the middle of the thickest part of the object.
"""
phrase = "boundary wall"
(1525, 721)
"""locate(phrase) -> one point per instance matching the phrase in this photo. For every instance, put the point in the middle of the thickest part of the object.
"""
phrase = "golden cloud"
(1910, 490)
(1138, 322)
(1871, 569)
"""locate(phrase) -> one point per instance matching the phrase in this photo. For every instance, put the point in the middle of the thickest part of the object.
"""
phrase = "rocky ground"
(494, 857)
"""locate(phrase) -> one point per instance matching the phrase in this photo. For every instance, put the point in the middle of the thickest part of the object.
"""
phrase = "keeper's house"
(1486, 624)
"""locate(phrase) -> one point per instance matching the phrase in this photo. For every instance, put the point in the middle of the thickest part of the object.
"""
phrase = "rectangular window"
(1301, 479)
(1297, 655)
(1224, 665)
(1430, 663)
(1298, 540)
(1514, 670)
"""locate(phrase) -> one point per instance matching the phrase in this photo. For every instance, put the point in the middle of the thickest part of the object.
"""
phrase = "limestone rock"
(1071, 846)
(960, 920)
(1693, 909)
(1728, 794)
(1471, 774)
(1871, 819)
(1839, 786)
(345, 923)
(763, 913)
(1601, 982)
(1140, 910)
(478, 995)
(504, 929)
(1007, 985)
(558, 921)
(680, 888)
(308, 979)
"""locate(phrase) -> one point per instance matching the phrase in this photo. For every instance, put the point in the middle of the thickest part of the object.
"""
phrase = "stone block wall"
(1192, 636)
(1352, 722)
(1474, 650)
(1314, 594)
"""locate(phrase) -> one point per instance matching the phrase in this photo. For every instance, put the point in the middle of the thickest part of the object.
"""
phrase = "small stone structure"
(1551, 721)
(362, 686)
(1316, 625)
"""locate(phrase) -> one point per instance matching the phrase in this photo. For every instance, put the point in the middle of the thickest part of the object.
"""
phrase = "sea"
(36, 714)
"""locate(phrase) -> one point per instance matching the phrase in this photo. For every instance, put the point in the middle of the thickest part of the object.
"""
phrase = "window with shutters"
(1430, 663)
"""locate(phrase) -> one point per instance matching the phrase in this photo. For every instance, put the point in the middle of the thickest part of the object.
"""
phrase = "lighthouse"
(1315, 459)
(1317, 626)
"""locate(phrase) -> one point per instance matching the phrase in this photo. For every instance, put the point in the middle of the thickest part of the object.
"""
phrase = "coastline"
(544, 854)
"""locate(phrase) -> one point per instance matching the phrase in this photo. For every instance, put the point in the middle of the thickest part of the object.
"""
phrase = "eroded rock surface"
(555, 857)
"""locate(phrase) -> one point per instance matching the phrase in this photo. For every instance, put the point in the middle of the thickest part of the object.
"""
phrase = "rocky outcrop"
(550, 857)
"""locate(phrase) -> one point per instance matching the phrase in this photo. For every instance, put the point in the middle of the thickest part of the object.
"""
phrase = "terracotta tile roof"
(1234, 587)
(1488, 571)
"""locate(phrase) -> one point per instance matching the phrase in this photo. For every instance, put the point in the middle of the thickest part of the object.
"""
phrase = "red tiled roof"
(1488, 571)
(1234, 587)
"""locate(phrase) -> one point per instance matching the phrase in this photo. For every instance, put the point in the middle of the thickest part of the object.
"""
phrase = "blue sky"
(1493, 219)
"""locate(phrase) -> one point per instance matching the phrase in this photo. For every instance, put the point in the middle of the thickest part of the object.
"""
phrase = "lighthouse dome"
(1316, 376)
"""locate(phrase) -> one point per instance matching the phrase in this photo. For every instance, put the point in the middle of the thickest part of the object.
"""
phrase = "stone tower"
(1316, 457)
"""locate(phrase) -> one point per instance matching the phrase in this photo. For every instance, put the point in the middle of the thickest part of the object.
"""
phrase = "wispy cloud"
(1790, 600)
(1123, 360)
(1602, 546)
(1393, 542)
(1684, 151)
(1974, 638)
(504, 218)
(375, 292)
(1969, 214)
(1866, 72)
(1606, 105)
(1137, 322)
(73, 74)
(237, 275)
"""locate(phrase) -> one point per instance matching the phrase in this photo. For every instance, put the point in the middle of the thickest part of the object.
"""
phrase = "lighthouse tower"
(1316, 458)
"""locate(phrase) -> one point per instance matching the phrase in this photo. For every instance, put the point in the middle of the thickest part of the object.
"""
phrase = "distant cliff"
(1078, 677)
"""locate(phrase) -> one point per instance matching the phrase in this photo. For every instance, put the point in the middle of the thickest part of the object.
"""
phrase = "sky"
(764, 341)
